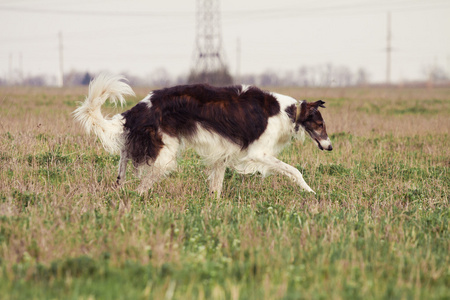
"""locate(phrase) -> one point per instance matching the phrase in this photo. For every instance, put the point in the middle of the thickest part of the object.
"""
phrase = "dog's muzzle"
(324, 144)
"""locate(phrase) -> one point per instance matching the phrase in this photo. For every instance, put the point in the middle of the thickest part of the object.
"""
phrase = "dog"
(238, 127)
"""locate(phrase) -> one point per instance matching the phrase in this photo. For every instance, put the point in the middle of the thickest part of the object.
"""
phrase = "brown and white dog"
(239, 127)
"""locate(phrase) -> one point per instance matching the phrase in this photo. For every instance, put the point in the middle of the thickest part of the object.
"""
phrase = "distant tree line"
(218, 77)
(309, 76)
(325, 75)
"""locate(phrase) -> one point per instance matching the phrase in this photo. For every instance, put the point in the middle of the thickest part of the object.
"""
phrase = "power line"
(273, 15)
(352, 8)
(94, 13)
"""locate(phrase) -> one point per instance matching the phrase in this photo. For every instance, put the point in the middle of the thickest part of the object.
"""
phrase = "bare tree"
(362, 77)
(435, 74)
(160, 77)
(36, 80)
(269, 78)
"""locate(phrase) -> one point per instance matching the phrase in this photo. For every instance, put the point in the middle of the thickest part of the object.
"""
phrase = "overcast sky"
(139, 36)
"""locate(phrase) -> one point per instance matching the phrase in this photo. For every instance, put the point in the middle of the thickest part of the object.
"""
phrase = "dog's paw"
(308, 189)
(141, 190)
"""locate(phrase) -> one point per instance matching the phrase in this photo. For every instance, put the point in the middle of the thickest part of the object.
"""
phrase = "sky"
(141, 36)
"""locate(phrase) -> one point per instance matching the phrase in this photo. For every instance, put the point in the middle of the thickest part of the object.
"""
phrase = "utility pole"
(388, 50)
(209, 65)
(238, 61)
(448, 67)
(10, 69)
(61, 67)
(20, 68)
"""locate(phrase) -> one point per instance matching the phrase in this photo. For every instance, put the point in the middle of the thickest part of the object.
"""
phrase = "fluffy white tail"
(90, 116)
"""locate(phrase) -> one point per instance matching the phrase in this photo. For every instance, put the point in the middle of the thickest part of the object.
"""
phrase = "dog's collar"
(299, 110)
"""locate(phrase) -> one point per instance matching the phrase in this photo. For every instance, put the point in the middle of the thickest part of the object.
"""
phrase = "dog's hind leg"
(275, 165)
(216, 176)
(122, 167)
(161, 166)
(135, 168)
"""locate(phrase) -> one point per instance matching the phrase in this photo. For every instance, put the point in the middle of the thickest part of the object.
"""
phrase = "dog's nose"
(330, 148)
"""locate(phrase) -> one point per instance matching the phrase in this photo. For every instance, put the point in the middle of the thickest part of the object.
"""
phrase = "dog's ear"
(319, 103)
(303, 111)
(306, 109)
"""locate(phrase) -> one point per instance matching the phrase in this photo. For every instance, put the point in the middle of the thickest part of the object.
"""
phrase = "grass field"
(378, 227)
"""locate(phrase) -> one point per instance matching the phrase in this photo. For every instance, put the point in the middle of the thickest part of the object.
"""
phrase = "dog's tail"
(108, 130)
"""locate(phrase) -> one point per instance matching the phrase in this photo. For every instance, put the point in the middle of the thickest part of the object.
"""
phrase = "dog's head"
(309, 117)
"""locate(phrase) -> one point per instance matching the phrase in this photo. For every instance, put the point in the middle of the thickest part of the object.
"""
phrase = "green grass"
(378, 227)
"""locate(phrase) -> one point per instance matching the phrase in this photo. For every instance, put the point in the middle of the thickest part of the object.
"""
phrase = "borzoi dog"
(239, 127)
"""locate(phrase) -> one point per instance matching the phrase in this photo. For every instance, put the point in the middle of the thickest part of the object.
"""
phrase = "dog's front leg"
(277, 165)
(216, 176)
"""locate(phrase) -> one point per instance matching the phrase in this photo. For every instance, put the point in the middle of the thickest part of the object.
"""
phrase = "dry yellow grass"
(378, 227)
